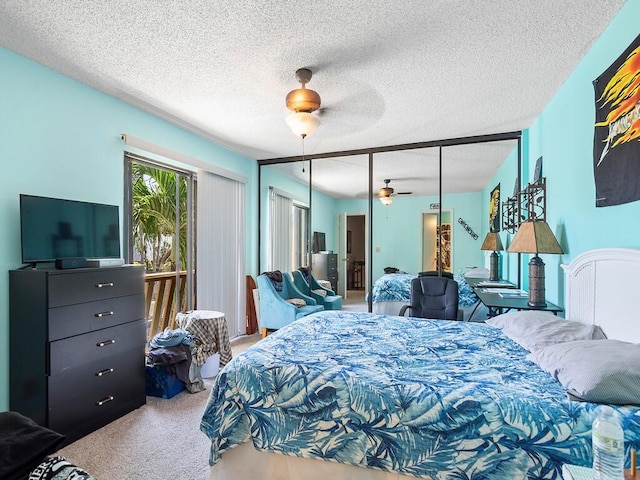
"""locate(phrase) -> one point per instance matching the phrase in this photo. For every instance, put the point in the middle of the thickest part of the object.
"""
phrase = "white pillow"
(530, 316)
(535, 330)
(320, 292)
(477, 272)
(597, 371)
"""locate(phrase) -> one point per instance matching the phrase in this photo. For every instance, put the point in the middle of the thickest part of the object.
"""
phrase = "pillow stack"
(535, 330)
(602, 371)
(589, 366)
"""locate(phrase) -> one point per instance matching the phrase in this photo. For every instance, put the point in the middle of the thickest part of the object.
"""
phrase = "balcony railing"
(160, 303)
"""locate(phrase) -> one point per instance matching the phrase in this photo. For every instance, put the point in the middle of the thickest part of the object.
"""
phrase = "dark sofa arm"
(23, 445)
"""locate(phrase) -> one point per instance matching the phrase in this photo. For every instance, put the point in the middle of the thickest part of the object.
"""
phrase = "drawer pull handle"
(103, 314)
(104, 285)
(104, 372)
(103, 401)
(104, 344)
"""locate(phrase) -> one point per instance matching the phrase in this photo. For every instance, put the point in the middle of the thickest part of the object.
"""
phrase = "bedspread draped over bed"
(429, 398)
(396, 287)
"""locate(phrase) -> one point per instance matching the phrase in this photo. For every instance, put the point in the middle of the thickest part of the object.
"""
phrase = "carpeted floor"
(159, 441)
(355, 301)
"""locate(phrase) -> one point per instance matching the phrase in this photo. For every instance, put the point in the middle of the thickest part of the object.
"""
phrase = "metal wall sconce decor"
(529, 204)
(469, 230)
(533, 202)
(533, 234)
(510, 214)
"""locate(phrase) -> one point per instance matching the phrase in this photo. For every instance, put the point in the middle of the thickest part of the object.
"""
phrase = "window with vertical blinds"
(280, 231)
(299, 236)
(220, 248)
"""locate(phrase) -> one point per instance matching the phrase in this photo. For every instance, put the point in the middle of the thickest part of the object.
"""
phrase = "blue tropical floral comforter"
(396, 287)
(430, 398)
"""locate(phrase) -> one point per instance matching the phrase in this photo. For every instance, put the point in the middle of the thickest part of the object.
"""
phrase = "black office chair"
(433, 297)
(434, 273)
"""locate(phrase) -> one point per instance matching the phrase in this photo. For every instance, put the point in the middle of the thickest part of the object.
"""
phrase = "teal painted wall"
(324, 219)
(505, 177)
(563, 136)
(397, 230)
(61, 138)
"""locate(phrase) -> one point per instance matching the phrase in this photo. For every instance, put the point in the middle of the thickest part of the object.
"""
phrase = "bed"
(361, 395)
(393, 290)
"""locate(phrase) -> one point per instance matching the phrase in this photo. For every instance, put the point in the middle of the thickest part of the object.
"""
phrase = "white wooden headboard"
(602, 288)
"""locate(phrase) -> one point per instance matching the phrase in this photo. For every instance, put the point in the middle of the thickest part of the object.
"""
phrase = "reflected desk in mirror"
(501, 300)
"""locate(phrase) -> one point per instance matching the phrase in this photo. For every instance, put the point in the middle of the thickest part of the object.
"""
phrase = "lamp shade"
(302, 123)
(492, 242)
(386, 200)
(535, 237)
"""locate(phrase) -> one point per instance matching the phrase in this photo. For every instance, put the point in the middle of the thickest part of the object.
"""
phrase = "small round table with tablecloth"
(211, 336)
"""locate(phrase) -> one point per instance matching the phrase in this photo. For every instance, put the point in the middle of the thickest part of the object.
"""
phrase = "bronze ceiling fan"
(303, 102)
(385, 193)
(388, 191)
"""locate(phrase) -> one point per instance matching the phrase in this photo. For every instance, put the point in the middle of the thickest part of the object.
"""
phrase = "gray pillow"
(535, 330)
(530, 316)
(600, 371)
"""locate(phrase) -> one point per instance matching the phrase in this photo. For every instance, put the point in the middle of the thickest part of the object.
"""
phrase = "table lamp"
(535, 237)
(492, 242)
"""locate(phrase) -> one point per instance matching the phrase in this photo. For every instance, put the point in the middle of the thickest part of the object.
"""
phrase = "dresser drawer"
(81, 318)
(86, 393)
(94, 284)
(70, 353)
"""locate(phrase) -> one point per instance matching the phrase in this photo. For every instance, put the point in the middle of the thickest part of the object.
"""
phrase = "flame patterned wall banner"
(616, 148)
(494, 210)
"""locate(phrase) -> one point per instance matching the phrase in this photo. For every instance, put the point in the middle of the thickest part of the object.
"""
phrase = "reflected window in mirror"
(299, 236)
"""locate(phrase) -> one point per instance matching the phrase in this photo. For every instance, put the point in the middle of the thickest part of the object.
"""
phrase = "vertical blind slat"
(221, 249)
(280, 231)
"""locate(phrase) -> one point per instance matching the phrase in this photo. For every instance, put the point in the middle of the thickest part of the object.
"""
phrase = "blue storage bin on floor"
(161, 383)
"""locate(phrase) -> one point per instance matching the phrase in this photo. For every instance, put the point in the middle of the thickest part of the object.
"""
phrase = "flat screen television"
(54, 228)
(318, 243)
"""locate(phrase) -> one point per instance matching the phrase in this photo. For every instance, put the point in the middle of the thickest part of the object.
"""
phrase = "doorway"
(159, 221)
(356, 255)
(431, 237)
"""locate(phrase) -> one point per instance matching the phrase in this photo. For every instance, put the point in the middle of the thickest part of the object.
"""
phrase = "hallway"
(355, 301)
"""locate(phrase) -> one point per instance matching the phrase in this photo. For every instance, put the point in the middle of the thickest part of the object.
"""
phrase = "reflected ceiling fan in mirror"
(386, 192)
(302, 102)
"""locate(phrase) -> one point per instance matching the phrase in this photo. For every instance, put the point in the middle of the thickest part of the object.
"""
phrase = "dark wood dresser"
(325, 267)
(77, 346)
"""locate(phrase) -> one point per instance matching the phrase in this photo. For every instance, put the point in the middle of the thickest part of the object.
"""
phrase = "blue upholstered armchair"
(310, 286)
(275, 310)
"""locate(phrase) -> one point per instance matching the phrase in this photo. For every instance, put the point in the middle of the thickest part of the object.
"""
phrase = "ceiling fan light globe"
(303, 100)
(302, 123)
(386, 200)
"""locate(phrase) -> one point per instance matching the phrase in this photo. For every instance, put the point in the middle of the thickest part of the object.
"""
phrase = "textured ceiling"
(387, 72)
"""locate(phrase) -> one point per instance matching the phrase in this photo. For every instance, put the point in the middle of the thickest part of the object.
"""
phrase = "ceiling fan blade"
(363, 195)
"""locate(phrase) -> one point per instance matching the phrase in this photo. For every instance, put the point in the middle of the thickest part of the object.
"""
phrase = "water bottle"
(608, 446)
